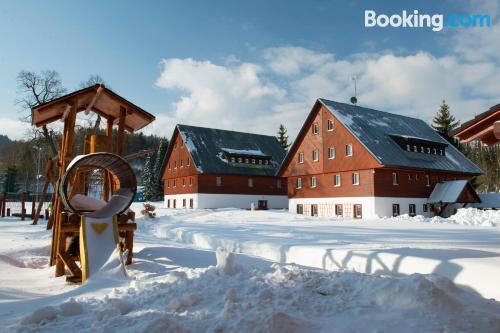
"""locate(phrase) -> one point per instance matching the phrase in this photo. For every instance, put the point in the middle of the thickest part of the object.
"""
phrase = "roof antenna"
(354, 99)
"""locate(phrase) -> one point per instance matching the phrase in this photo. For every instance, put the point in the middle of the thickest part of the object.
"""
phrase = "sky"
(251, 65)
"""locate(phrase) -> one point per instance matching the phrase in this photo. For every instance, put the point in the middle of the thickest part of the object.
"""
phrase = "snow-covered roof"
(488, 200)
(208, 148)
(451, 191)
(374, 129)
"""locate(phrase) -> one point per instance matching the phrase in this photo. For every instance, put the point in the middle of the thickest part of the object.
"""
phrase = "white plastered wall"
(205, 200)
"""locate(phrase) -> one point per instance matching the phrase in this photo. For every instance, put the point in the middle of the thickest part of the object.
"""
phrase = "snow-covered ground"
(177, 284)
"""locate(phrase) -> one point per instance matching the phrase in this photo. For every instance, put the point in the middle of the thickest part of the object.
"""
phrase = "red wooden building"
(212, 168)
(357, 162)
(484, 127)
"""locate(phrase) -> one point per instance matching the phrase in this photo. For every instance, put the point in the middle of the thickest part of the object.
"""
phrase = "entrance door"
(262, 204)
(314, 210)
(358, 211)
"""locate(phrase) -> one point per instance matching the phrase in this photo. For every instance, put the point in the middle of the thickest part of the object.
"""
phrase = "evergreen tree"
(160, 155)
(444, 122)
(282, 137)
(148, 179)
(10, 179)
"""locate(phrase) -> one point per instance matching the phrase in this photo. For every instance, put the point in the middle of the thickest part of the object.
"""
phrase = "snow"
(464, 216)
(194, 271)
(447, 192)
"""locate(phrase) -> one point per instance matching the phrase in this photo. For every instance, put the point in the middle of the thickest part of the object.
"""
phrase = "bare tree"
(36, 89)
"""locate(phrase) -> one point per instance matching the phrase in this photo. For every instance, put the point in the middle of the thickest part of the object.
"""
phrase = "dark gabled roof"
(376, 130)
(453, 191)
(478, 118)
(208, 148)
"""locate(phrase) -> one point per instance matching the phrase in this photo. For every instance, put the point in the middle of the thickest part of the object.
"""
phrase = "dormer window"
(419, 145)
(315, 128)
(415, 149)
(233, 159)
(240, 160)
(408, 148)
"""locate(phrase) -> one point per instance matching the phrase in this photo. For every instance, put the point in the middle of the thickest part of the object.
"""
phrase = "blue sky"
(225, 63)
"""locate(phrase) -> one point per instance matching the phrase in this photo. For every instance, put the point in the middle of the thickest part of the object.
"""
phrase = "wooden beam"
(94, 99)
(121, 131)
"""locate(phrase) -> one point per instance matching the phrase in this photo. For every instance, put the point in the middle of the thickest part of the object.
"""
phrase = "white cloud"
(14, 129)
(284, 83)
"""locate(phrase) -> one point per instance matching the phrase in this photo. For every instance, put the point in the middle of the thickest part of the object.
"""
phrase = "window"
(247, 160)
(168, 183)
(331, 152)
(183, 203)
(278, 183)
(315, 155)
(415, 149)
(266, 162)
(421, 149)
(260, 162)
(358, 211)
(175, 183)
(313, 181)
(440, 152)
(410, 176)
(435, 151)
(427, 180)
(188, 161)
(253, 160)
(425, 208)
(408, 148)
(336, 181)
(175, 164)
(412, 210)
(250, 182)
(394, 178)
(183, 182)
(181, 163)
(174, 203)
(168, 203)
(348, 150)
(300, 209)
(299, 183)
(218, 181)
(240, 160)
(329, 124)
(314, 210)
(301, 157)
(233, 159)
(417, 176)
(315, 128)
(338, 210)
(168, 165)
(190, 181)
(395, 209)
(191, 203)
(355, 178)
(428, 150)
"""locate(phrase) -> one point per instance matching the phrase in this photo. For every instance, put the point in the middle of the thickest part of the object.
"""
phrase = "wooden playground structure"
(118, 114)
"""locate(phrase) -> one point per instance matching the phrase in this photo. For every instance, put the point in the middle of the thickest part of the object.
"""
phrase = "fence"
(23, 205)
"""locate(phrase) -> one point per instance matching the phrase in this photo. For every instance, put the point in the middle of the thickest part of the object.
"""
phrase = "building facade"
(357, 162)
(212, 168)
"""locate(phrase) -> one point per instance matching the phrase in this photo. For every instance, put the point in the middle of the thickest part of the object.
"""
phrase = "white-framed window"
(315, 155)
(427, 180)
(250, 182)
(169, 166)
(417, 176)
(440, 152)
(175, 164)
(266, 162)
(315, 128)
(247, 160)
(253, 160)
(190, 181)
(410, 176)
(188, 162)
(301, 157)
(330, 125)
(313, 181)
(218, 181)
(435, 151)
(422, 149)
(299, 183)
(394, 178)
(240, 160)
(331, 153)
(336, 181)
(260, 162)
(415, 149)
(175, 183)
(168, 183)
(428, 150)
(233, 159)
(183, 182)
(355, 178)
(408, 148)
(181, 163)
(348, 149)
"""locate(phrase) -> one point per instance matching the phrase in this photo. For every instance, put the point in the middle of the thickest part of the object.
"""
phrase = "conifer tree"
(158, 182)
(282, 137)
(444, 122)
(148, 179)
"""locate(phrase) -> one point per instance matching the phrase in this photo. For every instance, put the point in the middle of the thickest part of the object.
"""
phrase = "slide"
(100, 253)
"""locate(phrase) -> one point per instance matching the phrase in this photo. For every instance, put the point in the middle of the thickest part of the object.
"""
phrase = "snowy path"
(468, 255)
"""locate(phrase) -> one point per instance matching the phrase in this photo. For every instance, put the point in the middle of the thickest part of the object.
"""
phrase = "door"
(314, 210)
(262, 204)
(358, 211)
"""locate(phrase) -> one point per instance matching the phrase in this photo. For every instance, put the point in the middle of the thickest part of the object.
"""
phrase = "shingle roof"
(208, 148)
(374, 130)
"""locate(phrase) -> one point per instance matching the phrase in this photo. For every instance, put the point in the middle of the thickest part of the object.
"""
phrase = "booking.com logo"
(416, 20)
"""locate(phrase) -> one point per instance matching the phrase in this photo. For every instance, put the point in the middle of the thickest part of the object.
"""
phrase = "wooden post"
(121, 131)
(23, 206)
(46, 213)
(32, 206)
(4, 203)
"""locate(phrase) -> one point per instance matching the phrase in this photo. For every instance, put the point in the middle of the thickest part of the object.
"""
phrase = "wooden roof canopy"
(484, 127)
(98, 99)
